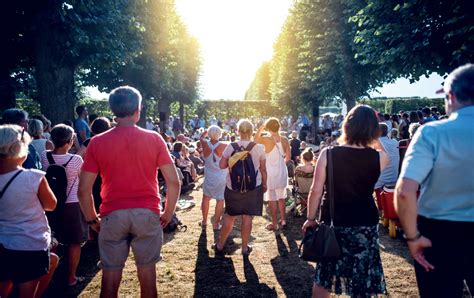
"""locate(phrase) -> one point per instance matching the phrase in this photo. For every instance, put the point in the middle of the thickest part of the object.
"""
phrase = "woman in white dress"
(214, 176)
(277, 150)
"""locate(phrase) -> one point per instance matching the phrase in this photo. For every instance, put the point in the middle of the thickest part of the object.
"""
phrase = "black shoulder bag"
(320, 243)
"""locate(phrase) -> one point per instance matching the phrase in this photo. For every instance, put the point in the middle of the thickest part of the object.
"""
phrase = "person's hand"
(264, 188)
(417, 248)
(165, 218)
(96, 226)
(309, 224)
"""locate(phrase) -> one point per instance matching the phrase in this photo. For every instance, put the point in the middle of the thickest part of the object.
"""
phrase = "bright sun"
(236, 36)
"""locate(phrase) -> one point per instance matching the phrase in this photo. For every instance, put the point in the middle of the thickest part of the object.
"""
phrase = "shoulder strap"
(49, 155)
(250, 146)
(235, 146)
(8, 183)
(65, 165)
(331, 184)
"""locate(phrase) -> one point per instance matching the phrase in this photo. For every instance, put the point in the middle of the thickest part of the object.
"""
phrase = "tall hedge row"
(396, 105)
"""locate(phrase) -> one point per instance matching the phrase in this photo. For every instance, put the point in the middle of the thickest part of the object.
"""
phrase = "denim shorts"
(138, 228)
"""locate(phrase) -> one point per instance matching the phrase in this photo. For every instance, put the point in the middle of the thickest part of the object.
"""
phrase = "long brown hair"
(360, 127)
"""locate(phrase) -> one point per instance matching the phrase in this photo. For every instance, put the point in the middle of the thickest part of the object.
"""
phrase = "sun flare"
(236, 36)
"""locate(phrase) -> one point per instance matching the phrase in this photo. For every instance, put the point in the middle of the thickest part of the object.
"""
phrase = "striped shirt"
(72, 171)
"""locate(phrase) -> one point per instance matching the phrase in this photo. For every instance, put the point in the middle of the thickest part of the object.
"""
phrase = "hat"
(182, 138)
(192, 149)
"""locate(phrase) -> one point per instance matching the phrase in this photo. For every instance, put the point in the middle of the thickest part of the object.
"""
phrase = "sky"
(237, 36)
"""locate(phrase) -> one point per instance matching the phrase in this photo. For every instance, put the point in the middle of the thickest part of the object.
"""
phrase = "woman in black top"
(357, 166)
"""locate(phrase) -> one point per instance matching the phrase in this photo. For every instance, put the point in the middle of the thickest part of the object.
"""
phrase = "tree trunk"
(55, 90)
(164, 111)
(143, 112)
(315, 125)
(54, 73)
(350, 102)
(7, 92)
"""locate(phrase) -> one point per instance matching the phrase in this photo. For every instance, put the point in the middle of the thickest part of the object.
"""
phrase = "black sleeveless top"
(355, 173)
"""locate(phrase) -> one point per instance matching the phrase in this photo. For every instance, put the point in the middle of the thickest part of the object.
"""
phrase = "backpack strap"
(235, 146)
(250, 146)
(8, 183)
(65, 165)
(49, 156)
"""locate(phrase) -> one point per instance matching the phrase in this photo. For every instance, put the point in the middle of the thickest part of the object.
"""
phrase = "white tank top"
(23, 224)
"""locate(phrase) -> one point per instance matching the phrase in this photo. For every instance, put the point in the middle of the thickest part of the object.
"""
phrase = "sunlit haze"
(236, 37)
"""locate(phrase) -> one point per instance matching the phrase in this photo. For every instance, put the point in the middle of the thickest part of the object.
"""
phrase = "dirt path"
(189, 267)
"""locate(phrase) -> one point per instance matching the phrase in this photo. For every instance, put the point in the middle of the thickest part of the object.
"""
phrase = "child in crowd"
(72, 228)
(306, 162)
(25, 236)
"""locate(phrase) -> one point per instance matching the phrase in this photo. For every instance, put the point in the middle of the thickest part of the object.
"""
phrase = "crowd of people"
(116, 174)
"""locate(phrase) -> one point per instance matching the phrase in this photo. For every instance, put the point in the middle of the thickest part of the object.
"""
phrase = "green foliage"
(226, 109)
(259, 88)
(94, 106)
(29, 105)
(395, 105)
(413, 38)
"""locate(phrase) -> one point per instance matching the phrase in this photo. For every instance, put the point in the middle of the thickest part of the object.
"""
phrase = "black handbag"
(320, 243)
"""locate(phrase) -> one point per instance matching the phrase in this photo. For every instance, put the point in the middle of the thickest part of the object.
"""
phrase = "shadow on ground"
(215, 276)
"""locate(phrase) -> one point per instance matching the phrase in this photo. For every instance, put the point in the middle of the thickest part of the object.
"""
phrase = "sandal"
(219, 227)
(282, 224)
(271, 227)
(78, 280)
(203, 225)
(248, 251)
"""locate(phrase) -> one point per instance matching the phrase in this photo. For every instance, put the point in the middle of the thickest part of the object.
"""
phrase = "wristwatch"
(416, 237)
(93, 222)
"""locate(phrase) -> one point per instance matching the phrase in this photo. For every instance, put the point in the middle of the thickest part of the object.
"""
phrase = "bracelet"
(310, 219)
(93, 222)
(416, 237)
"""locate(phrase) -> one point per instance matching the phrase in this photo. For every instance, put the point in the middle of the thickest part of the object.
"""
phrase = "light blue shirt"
(81, 125)
(389, 175)
(441, 159)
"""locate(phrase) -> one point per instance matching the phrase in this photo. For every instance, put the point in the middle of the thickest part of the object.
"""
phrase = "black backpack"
(243, 175)
(57, 180)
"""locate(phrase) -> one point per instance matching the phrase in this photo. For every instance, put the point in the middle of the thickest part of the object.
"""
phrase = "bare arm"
(86, 201)
(317, 188)
(205, 147)
(263, 171)
(258, 135)
(287, 149)
(46, 195)
(172, 194)
(405, 205)
(224, 163)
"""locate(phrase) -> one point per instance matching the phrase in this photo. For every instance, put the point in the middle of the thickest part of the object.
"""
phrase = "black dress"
(358, 272)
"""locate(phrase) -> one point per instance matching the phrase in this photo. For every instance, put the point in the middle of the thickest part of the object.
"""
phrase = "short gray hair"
(461, 82)
(124, 101)
(245, 127)
(12, 144)
(214, 132)
(35, 128)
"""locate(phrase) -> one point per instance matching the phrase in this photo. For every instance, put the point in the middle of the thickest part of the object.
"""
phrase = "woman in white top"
(214, 176)
(277, 150)
(35, 129)
(24, 231)
(72, 228)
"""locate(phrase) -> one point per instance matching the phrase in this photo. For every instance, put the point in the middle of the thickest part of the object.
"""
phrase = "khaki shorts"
(276, 194)
(138, 228)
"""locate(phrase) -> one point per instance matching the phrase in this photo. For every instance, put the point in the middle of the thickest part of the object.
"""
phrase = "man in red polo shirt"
(127, 158)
